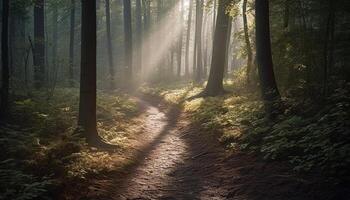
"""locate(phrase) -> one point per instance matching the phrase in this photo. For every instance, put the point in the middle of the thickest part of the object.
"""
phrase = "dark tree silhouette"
(87, 106)
(215, 82)
(71, 44)
(109, 44)
(39, 44)
(5, 59)
(128, 38)
(263, 50)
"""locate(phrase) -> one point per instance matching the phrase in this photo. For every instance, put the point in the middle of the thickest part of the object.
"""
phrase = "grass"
(311, 136)
(42, 152)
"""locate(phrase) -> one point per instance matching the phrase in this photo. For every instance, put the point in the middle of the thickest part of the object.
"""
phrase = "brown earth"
(172, 158)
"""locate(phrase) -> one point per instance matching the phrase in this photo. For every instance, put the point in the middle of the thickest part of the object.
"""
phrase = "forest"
(175, 99)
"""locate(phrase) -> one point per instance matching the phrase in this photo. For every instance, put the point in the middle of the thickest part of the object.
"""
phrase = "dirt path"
(174, 160)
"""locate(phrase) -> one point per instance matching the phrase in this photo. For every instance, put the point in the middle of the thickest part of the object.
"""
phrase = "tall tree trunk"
(328, 45)
(138, 32)
(54, 40)
(109, 44)
(228, 45)
(71, 44)
(87, 105)
(179, 52)
(198, 38)
(128, 39)
(215, 82)
(39, 44)
(247, 42)
(188, 37)
(263, 48)
(5, 60)
(205, 43)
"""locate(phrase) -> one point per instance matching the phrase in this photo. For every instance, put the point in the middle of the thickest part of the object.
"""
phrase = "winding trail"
(175, 160)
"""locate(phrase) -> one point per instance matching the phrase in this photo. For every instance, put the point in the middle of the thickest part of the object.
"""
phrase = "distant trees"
(138, 35)
(247, 41)
(71, 44)
(188, 36)
(87, 105)
(214, 86)
(109, 43)
(128, 38)
(198, 37)
(263, 49)
(39, 44)
(5, 59)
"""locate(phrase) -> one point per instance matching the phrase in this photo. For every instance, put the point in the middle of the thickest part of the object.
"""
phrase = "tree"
(138, 35)
(128, 38)
(5, 59)
(179, 52)
(198, 43)
(87, 105)
(187, 55)
(214, 86)
(71, 43)
(109, 43)
(263, 49)
(247, 41)
(39, 44)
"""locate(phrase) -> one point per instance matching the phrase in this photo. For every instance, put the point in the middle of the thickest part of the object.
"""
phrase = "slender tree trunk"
(4, 106)
(179, 52)
(205, 43)
(199, 22)
(138, 32)
(247, 42)
(71, 44)
(189, 26)
(87, 106)
(263, 47)
(109, 44)
(215, 82)
(228, 44)
(328, 45)
(39, 44)
(128, 39)
(54, 40)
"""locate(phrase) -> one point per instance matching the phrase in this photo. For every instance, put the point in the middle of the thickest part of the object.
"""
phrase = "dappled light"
(175, 100)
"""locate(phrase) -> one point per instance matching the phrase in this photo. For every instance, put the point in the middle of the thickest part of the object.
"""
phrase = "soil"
(172, 158)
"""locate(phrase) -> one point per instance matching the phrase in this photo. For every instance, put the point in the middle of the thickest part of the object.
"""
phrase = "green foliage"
(41, 149)
(311, 136)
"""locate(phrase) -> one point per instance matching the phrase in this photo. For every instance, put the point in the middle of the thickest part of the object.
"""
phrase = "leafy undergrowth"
(42, 153)
(312, 136)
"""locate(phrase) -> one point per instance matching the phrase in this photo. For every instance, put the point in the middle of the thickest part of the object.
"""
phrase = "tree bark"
(54, 40)
(109, 44)
(198, 38)
(263, 47)
(128, 39)
(87, 106)
(247, 42)
(4, 106)
(39, 44)
(187, 55)
(228, 45)
(179, 52)
(71, 44)
(138, 32)
(215, 82)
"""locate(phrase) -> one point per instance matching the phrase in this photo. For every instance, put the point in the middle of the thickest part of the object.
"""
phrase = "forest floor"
(172, 159)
